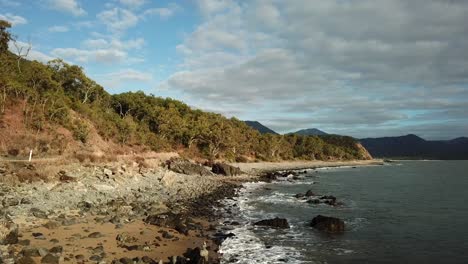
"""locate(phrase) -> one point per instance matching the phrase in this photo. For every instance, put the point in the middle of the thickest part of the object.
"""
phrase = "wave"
(246, 246)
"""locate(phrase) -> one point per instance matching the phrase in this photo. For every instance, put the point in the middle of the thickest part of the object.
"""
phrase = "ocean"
(403, 212)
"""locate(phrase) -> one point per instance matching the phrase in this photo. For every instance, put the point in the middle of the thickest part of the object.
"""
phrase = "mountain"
(414, 147)
(310, 132)
(260, 127)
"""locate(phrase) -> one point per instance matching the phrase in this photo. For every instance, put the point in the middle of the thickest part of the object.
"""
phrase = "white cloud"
(59, 29)
(67, 6)
(114, 43)
(134, 4)
(107, 56)
(118, 20)
(13, 19)
(367, 66)
(162, 12)
(117, 81)
(208, 7)
(83, 24)
(130, 75)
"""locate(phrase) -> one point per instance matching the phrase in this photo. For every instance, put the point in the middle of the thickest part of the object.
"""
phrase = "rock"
(148, 260)
(10, 201)
(299, 195)
(95, 235)
(170, 220)
(125, 238)
(85, 206)
(30, 252)
(64, 177)
(8, 231)
(51, 225)
(50, 259)
(167, 235)
(309, 193)
(56, 250)
(328, 224)
(313, 201)
(95, 258)
(220, 237)
(38, 213)
(225, 169)
(26, 200)
(187, 167)
(275, 223)
(194, 256)
(330, 200)
(107, 172)
(25, 260)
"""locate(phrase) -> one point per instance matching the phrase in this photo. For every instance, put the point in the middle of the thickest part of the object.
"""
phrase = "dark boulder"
(328, 224)
(329, 199)
(299, 195)
(220, 237)
(275, 223)
(193, 256)
(309, 193)
(225, 169)
(186, 167)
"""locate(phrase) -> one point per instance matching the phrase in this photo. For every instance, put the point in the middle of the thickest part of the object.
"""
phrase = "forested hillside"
(55, 108)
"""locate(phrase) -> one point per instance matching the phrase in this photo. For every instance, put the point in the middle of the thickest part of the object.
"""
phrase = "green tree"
(5, 35)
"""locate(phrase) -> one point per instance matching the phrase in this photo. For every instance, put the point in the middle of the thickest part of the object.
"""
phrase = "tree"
(5, 36)
(21, 52)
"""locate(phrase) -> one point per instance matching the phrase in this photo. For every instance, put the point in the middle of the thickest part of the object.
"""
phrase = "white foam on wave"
(246, 246)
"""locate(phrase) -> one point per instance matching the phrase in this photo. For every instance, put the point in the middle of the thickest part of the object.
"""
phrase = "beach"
(121, 210)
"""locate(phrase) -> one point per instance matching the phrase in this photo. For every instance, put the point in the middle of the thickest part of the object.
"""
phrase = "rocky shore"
(134, 211)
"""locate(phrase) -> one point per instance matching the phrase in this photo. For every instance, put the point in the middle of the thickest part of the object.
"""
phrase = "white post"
(30, 155)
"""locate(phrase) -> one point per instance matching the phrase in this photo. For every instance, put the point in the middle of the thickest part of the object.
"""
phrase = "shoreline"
(261, 167)
(116, 200)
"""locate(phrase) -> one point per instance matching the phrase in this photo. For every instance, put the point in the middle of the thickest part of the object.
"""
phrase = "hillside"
(55, 109)
(310, 132)
(414, 147)
(260, 127)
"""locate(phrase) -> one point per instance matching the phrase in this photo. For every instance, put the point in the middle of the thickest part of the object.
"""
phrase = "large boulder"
(186, 167)
(328, 224)
(225, 169)
(8, 231)
(275, 223)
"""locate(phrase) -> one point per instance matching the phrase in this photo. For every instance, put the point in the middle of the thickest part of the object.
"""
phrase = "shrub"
(13, 152)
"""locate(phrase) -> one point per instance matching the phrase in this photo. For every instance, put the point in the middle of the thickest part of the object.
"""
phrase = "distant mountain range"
(414, 147)
(310, 132)
(261, 128)
(402, 147)
(304, 132)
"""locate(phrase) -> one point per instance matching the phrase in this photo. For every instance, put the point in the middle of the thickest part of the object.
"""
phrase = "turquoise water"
(410, 212)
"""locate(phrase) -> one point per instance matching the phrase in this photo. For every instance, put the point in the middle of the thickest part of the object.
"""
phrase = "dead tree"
(89, 90)
(21, 53)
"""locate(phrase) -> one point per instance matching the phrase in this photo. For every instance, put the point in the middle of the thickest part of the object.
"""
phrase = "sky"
(364, 68)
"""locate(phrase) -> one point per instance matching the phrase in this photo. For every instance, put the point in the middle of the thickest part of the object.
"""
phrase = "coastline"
(260, 167)
(101, 211)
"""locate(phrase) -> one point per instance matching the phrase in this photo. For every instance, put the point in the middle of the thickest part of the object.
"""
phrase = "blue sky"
(364, 68)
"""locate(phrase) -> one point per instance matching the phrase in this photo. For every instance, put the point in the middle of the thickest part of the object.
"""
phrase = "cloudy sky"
(364, 68)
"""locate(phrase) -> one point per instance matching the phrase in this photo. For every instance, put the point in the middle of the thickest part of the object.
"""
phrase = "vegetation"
(59, 95)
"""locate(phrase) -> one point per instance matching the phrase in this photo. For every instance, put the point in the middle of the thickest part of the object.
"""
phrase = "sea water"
(405, 212)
